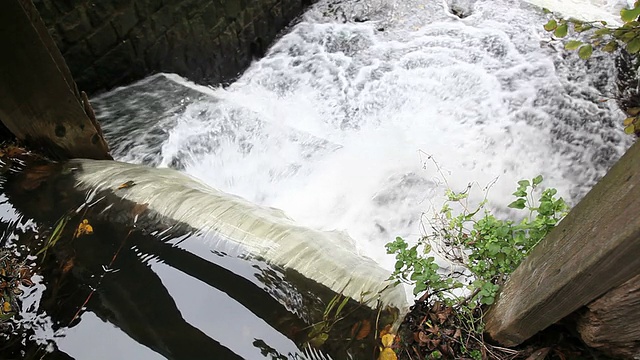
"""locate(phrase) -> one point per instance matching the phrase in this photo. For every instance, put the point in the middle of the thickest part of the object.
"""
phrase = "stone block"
(206, 40)
(145, 8)
(102, 40)
(88, 79)
(213, 20)
(291, 9)
(125, 21)
(156, 53)
(232, 8)
(47, 10)
(142, 36)
(192, 7)
(66, 6)
(162, 20)
(277, 19)
(74, 26)
(99, 12)
(78, 57)
(117, 63)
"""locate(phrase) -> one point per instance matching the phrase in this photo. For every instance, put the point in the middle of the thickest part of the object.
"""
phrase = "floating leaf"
(561, 31)
(83, 228)
(585, 51)
(67, 266)
(572, 44)
(361, 329)
(551, 25)
(128, 184)
(630, 129)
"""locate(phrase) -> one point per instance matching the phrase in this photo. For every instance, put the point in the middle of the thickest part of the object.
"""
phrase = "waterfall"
(338, 123)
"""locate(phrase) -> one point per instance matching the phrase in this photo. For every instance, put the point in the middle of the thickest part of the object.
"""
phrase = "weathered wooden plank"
(39, 102)
(594, 249)
(612, 323)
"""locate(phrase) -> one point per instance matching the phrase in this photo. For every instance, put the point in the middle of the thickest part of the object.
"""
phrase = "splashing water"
(336, 125)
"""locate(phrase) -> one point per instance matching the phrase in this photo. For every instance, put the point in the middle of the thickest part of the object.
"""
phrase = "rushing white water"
(337, 123)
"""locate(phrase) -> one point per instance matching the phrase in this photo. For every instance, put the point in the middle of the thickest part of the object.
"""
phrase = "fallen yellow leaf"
(387, 340)
(6, 307)
(387, 354)
(83, 228)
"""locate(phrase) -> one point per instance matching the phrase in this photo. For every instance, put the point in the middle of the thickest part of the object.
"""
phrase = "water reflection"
(139, 287)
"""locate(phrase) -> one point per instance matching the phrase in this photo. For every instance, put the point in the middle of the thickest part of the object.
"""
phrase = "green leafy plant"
(607, 38)
(602, 36)
(480, 249)
(463, 259)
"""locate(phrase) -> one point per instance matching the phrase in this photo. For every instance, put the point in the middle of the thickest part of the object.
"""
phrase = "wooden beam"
(39, 102)
(594, 249)
(612, 323)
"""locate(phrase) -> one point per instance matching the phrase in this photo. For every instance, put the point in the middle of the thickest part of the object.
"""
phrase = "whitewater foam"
(336, 124)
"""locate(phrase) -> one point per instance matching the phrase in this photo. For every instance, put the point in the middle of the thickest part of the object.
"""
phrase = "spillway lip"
(329, 258)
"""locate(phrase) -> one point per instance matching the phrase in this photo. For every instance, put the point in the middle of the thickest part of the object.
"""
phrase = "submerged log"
(39, 102)
(612, 323)
(594, 249)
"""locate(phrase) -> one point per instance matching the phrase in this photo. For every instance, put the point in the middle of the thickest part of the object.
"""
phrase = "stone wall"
(113, 42)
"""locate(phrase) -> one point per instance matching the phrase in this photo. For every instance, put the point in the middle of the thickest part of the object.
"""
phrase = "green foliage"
(602, 36)
(481, 248)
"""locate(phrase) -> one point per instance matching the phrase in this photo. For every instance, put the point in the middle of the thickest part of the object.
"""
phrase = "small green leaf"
(572, 44)
(603, 31)
(537, 180)
(551, 25)
(518, 204)
(520, 193)
(611, 46)
(585, 51)
(628, 15)
(561, 31)
(633, 46)
(630, 129)
(628, 36)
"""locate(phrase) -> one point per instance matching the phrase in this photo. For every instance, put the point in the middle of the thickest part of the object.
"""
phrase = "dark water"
(140, 287)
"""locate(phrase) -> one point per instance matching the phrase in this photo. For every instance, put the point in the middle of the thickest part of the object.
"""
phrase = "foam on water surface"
(337, 124)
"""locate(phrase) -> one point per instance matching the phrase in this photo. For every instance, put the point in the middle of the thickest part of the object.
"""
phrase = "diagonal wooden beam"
(39, 101)
(594, 249)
